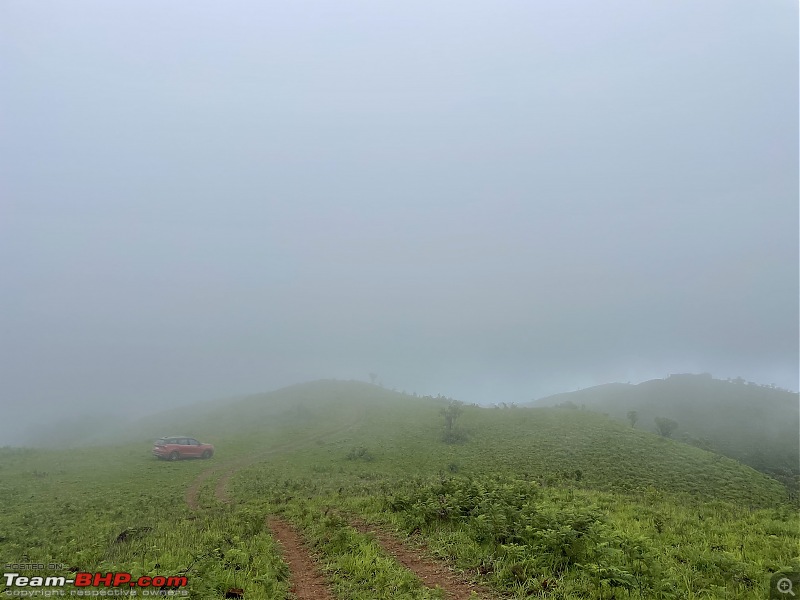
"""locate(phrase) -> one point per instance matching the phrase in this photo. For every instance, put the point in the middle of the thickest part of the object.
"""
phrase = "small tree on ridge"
(451, 413)
(666, 426)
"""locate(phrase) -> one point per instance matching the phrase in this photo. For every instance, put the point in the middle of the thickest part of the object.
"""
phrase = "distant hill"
(403, 434)
(754, 424)
(229, 418)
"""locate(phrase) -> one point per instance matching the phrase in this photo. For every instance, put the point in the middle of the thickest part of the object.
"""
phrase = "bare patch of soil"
(305, 579)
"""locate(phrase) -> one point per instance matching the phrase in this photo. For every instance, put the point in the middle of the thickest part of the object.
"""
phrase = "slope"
(757, 425)
(531, 500)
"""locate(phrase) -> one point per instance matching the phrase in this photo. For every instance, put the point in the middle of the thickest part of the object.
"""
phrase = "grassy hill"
(534, 502)
(757, 425)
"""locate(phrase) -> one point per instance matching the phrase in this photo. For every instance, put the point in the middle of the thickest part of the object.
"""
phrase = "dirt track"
(308, 583)
(431, 572)
(305, 579)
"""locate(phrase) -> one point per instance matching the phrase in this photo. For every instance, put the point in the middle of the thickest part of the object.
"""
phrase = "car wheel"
(174, 455)
(207, 454)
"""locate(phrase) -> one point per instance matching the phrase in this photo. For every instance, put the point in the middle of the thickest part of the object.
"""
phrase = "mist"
(492, 202)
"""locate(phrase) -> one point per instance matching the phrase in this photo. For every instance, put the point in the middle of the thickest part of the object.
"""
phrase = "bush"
(527, 535)
(359, 453)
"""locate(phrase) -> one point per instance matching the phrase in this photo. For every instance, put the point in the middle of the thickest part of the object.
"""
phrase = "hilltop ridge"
(755, 424)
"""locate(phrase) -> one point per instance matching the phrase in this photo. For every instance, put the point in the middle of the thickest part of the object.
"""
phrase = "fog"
(491, 201)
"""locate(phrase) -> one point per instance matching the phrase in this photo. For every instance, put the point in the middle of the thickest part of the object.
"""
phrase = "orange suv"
(177, 447)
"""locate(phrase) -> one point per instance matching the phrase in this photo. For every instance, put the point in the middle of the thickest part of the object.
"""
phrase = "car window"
(194, 442)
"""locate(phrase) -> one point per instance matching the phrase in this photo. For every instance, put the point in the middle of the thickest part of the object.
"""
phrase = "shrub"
(359, 453)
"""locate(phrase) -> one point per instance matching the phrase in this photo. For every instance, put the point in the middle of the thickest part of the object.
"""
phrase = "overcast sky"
(494, 201)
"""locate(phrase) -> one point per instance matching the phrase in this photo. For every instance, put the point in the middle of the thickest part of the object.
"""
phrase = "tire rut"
(305, 579)
(430, 571)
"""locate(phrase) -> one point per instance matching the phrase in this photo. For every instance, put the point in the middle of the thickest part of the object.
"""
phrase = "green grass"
(754, 424)
(549, 503)
(358, 567)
